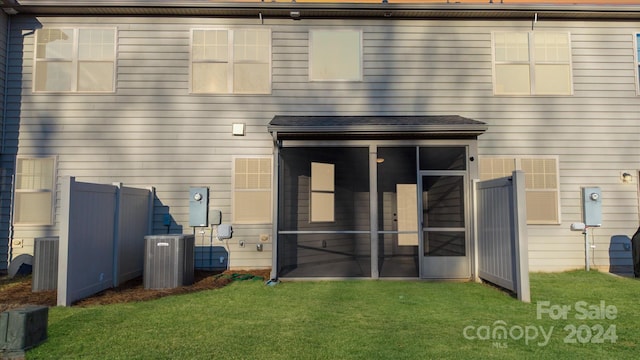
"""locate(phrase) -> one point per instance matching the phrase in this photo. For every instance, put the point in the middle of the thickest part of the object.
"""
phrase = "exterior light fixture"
(295, 15)
(627, 178)
(379, 160)
(237, 129)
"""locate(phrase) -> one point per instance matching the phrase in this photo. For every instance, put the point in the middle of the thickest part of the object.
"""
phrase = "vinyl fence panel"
(502, 233)
(134, 207)
(86, 236)
(102, 229)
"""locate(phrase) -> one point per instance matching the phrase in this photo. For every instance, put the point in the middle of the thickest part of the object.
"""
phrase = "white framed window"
(532, 63)
(231, 61)
(34, 191)
(75, 60)
(252, 190)
(322, 197)
(541, 183)
(335, 55)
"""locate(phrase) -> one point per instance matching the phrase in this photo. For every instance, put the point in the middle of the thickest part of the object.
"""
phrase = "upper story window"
(335, 55)
(532, 63)
(541, 183)
(75, 60)
(34, 191)
(227, 61)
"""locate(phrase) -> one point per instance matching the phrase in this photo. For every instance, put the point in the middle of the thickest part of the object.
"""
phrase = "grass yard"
(361, 320)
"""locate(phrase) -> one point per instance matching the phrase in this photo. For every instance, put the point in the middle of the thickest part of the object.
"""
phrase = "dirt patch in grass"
(16, 292)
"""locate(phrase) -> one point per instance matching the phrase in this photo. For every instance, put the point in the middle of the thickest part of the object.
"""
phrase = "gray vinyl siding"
(151, 131)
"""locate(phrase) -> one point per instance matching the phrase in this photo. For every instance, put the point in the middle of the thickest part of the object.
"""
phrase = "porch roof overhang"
(286, 127)
(322, 10)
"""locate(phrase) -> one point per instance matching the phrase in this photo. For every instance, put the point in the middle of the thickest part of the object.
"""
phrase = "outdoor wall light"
(379, 160)
(10, 11)
(237, 129)
(295, 15)
(627, 178)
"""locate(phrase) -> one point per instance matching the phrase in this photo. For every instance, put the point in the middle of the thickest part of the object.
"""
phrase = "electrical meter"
(198, 206)
(592, 206)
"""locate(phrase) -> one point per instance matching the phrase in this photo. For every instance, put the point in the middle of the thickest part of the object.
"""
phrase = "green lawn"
(361, 320)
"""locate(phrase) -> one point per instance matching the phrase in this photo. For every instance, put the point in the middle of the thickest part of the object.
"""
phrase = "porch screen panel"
(443, 158)
(324, 212)
(443, 215)
(324, 255)
(398, 236)
(440, 243)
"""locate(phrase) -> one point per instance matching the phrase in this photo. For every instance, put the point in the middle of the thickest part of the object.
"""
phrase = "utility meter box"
(216, 217)
(198, 206)
(225, 231)
(592, 206)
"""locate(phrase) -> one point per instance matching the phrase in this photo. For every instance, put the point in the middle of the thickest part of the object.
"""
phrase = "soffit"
(321, 10)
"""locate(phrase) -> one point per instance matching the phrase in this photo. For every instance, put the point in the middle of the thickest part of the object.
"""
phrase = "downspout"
(115, 281)
(373, 211)
(275, 206)
(8, 12)
(11, 207)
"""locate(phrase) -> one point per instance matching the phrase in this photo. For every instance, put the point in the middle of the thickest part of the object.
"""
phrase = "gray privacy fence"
(102, 230)
(502, 248)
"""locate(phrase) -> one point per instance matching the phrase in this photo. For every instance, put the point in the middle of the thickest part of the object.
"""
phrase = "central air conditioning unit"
(168, 261)
(22, 329)
(45, 264)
